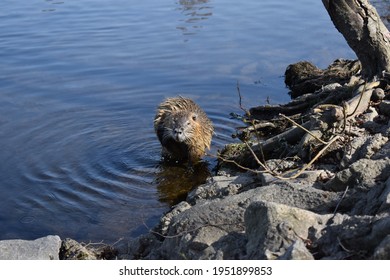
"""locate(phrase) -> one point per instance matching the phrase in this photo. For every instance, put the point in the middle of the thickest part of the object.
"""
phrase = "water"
(80, 82)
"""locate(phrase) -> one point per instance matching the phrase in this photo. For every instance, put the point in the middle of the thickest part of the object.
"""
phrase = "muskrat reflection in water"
(174, 181)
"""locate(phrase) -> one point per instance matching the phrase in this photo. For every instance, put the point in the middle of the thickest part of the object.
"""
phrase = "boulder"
(45, 248)
(363, 174)
(297, 251)
(273, 230)
(354, 237)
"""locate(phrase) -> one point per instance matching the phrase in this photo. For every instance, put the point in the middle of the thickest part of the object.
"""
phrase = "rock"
(195, 245)
(361, 174)
(192, 233)
(206, 236)
(380, 229)
(362, 203)
(374, 122)
(353, 237)
(297, 193)
(297, 251)
(143, 247)
(272, 228)
(309, 177)
(231, 246)
(45, 248)
(370, 115)
(363, 147)
(384, 199)
(220, 186)
(72, 250)
(384, 152)
(384, 108)
(382, 252)
(378, 95)
(166, 219)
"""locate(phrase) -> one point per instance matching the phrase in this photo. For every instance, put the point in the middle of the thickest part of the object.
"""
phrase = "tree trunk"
(364, 31)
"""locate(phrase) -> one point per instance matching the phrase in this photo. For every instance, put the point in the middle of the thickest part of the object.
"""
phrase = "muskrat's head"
(182, 126)
(183, 129)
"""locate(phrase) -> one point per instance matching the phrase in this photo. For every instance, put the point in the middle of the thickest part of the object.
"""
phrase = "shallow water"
(80, 82)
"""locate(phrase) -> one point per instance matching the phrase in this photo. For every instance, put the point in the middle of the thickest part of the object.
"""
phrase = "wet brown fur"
(183, 129)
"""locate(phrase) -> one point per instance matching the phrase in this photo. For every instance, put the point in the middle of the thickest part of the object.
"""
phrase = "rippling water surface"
(79, 84)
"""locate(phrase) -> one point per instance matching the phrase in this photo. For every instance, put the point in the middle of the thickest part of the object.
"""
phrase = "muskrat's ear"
(194, 116)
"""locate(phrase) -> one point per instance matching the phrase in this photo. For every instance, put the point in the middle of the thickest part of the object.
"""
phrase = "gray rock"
(380, 229)
(297, 251)
(384, 107)
(219, 187)
(308, 177)
(353, 237)
(370, 115)
(363, 147)
(232, 246)
(272, 228)
(297, 193)
(45, 248)
(382, 252)
(383, 153)
(361, 174)
(378, 94)
(384, 199)
(362, 203)
(339, 238)
(166, 219)
(192, 232)
(193, 245)
(206, 236)
(143, 247)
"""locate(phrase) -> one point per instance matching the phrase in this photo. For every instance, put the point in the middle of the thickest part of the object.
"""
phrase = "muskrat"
(183, 129)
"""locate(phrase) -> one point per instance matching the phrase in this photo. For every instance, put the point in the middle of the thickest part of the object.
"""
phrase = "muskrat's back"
(183, 129)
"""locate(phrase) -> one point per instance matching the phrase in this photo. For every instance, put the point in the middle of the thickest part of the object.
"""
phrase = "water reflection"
(51, 3)
(175, 181)
(194, 11)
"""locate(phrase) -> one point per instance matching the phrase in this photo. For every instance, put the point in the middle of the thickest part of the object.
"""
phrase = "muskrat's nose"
(179, 134)
(178, 130)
